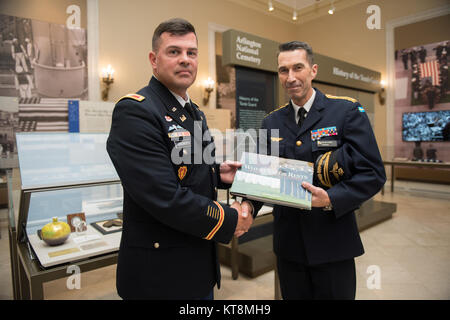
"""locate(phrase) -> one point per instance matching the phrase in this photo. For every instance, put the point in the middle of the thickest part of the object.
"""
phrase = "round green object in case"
(55, 233)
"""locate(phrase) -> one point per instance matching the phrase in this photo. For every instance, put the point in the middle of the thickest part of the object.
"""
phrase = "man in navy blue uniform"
(171, 219)
(316, 249)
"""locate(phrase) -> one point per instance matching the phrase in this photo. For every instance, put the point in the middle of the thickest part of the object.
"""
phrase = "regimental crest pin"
(174, 109)
(168, 119)
(182, 172)
(182, 118)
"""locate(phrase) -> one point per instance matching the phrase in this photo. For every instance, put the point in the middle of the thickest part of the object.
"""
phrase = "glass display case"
(62, 174)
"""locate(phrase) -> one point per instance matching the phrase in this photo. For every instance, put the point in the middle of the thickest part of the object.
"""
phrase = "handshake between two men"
(245, 209)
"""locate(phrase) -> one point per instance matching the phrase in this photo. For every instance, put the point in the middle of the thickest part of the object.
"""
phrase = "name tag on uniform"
(178, 134)
(327, 143)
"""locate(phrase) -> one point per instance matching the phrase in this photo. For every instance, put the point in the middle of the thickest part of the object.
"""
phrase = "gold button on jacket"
(298, 143)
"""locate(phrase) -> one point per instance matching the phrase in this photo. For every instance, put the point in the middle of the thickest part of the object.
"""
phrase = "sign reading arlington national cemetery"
(243, 49)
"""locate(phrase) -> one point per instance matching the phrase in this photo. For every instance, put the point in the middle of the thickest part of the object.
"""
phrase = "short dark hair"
(176, 26)
(298, 45)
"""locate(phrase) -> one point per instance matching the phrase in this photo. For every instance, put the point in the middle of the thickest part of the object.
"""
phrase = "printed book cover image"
(273, 180)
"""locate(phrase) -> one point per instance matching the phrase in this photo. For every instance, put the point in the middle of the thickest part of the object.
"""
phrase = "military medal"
(324, 132)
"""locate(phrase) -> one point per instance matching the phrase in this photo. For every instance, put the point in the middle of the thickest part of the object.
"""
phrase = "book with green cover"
(273, 180)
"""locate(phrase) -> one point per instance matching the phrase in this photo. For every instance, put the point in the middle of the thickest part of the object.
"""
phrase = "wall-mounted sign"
(244, 49)
(342, 73)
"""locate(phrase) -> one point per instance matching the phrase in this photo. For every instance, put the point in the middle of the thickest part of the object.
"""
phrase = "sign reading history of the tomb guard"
(243, 49)
(341, 73)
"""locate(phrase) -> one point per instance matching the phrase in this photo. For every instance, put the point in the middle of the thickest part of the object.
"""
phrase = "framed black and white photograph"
(41, 59)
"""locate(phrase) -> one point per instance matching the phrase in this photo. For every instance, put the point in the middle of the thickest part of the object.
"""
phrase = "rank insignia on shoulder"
(361, 109)
(182, 172)
(277, 139)
(133, 96)
(329, 96)
(279, 108)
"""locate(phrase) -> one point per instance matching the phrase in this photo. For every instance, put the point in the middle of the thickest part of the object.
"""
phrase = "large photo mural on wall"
(42, 65)
(422, 102)
(41, 59)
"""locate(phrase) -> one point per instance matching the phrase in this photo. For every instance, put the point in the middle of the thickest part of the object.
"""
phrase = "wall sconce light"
(382, 93)
(107, 79)
(270, 6)
(332, 8)
(208, 85)
(294, 15)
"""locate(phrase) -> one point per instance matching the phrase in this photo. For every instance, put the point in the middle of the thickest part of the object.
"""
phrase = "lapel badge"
(168, 119)
(174, 109)
(182, 172)
(182, 118)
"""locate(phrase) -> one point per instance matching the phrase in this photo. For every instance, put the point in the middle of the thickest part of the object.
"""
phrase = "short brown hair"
(176, 26)
(298, 45)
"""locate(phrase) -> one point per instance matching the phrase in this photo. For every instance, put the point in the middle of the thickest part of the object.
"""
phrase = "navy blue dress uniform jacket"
(319, 236)
(171, 219)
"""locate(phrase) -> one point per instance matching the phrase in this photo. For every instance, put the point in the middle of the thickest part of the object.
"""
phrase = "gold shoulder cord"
(326, 173)
(319, 170)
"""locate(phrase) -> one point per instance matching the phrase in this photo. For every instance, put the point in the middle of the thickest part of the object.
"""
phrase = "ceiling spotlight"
(271, 8)
(294, 16)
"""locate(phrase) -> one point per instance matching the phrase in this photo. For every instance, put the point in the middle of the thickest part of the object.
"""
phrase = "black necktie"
(190, 111)
(301, 116)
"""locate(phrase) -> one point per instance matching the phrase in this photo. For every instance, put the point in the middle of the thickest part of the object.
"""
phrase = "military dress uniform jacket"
(319, 236)
(171, 219)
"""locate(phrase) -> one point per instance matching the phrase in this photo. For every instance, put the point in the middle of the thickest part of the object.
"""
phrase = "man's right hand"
(245, 219)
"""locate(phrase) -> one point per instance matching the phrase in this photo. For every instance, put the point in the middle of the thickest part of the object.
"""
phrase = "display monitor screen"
(426, 126)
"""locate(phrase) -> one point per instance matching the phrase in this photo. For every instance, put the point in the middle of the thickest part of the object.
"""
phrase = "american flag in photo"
(43, 114)
(430, 69)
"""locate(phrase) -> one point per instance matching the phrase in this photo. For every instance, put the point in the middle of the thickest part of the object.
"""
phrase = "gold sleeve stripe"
(219, 223)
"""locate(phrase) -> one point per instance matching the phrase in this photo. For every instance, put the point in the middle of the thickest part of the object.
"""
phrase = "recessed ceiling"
(307, 9)
(298, 4)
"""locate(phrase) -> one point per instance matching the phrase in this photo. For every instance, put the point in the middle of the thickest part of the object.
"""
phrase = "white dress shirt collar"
(307, 106)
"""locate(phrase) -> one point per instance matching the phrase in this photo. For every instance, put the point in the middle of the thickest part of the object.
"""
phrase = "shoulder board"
(133, 96)
(329, 96)
(279, 108)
